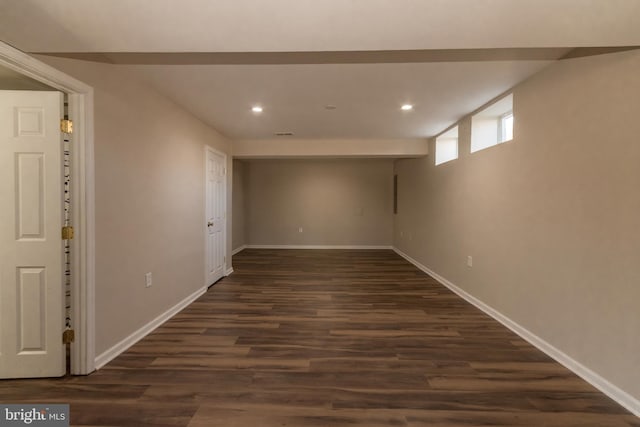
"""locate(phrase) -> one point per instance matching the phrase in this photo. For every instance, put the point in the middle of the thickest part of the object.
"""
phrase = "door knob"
(210, 224)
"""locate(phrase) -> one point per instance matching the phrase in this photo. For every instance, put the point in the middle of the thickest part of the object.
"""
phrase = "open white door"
(31, 290)
(215, 215)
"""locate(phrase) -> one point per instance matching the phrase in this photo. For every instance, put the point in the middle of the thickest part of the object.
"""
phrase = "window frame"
(488, 124)
(502, 129)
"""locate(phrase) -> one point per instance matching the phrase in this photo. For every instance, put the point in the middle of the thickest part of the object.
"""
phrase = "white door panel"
(31, 288)
(215, 215)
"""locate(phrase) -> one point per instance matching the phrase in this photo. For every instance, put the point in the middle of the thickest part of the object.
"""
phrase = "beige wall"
(552, 219)
(336, 202)
(329, 148)
(238, 210)
(149, 167)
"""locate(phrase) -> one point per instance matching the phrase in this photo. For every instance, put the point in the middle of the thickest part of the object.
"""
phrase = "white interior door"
(215, 215)
(31, 290)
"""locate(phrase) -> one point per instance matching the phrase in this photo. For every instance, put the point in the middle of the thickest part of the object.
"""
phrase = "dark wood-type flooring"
(328, 338)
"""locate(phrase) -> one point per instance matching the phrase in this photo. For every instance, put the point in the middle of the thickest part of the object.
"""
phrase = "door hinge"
(67, 232)
(68, 336)
(66, 126)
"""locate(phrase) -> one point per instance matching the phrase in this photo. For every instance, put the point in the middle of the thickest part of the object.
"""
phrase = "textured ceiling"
(312, 25)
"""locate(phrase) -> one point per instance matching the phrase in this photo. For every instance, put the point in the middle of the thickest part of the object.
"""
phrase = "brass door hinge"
(67, 233)
(66, 126)
(68, 336)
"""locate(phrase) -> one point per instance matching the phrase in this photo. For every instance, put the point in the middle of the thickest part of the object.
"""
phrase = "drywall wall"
(149, 175)
(329, 148)
(238, 210)
(335, 202)
(551, 219)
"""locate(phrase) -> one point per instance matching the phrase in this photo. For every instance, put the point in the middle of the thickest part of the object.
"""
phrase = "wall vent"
(283, 134)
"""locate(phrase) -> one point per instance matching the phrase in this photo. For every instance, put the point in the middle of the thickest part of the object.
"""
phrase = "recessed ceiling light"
(257, 109)
(407, 107)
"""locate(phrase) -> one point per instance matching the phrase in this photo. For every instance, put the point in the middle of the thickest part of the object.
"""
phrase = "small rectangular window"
(493, 125)
(506, 127)
(447, 146)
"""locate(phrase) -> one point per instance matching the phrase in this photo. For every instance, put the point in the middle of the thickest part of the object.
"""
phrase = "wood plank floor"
(328, 338)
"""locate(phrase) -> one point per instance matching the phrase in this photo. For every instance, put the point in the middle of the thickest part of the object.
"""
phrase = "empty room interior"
(321, 213)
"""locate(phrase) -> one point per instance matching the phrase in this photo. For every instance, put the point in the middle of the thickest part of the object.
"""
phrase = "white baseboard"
(238, 249)
(620, 396)
(229, 271)
(123, 345)
(317, 247)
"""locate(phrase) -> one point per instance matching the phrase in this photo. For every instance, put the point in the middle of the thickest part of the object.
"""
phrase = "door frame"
(80, 97)
(208, 148)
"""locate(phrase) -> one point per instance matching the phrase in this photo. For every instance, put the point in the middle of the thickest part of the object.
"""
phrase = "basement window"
(493, 125)
(506, 127)
(447, 146)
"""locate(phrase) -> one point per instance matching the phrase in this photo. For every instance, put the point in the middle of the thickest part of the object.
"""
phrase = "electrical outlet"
(299, 229)
(401, 234)
(148, 280)
(469, 261)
